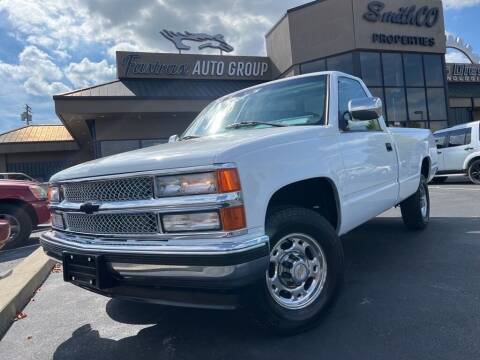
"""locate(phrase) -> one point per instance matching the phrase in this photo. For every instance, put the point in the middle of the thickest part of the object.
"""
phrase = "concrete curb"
(17, 289)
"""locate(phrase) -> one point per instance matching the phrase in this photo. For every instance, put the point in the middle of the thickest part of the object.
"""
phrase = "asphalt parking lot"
(407, 296)
(10, 258)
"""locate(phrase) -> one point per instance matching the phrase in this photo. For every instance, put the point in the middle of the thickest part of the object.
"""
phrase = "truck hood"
(203, 151)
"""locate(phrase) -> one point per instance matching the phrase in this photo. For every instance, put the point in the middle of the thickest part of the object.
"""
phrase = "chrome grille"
(136, 188)
(105, 224)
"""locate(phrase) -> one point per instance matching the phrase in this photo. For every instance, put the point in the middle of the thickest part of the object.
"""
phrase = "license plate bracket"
(85, 270)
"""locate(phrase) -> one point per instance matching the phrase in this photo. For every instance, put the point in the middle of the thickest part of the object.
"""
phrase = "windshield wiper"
(189, 137)
(252, 123)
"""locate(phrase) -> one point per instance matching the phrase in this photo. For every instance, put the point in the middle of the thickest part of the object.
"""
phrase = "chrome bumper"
(214, 263)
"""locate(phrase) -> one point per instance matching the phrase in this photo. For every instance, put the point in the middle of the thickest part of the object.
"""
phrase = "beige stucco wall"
(365, 29)
(279, 47)
(321, 29)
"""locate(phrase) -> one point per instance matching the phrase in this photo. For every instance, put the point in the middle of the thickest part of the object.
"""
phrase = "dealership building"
(397, 47)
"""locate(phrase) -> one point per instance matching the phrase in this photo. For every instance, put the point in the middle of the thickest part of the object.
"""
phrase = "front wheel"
(305, 270)
(416, 209)
(20, 225)
(474, 172)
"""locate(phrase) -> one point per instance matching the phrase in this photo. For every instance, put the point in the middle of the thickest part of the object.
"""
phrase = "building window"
(343, 63)
(112, 147)
(413, 70)
(314, 66)
(436, 104)
(152, 142)
(418, 124)
(378, 92)
(459, 115)
(417, 104)
(371, 68)
(438, 125)
(411, 85)
(434, 71)
(392, 69)
(396, 104)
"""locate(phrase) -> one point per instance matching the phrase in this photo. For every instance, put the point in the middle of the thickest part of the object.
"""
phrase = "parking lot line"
(445, 188)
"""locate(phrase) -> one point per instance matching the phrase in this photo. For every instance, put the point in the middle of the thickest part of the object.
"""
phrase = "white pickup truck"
(246, 206)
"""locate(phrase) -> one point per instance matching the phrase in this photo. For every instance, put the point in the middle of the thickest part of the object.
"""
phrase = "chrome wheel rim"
(297, 272)
(423, 201)
(15, 227)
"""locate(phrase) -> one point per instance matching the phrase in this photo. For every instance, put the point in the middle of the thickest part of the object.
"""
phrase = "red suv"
(24, 205)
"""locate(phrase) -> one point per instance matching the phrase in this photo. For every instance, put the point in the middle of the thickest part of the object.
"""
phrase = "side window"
(468, 136)
(349, 89)
(460, 137)
(440, 140)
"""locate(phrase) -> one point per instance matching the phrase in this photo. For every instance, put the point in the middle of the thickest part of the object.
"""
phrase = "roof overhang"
(139, 98)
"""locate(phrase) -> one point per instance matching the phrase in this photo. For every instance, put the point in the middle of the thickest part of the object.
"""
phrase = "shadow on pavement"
(456, 180)
(401, 301)
(18, 253)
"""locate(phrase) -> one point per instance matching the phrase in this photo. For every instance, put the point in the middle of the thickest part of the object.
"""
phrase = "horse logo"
(211, 41)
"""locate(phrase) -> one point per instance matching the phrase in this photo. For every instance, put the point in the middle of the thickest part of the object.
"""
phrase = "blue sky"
(52, 46)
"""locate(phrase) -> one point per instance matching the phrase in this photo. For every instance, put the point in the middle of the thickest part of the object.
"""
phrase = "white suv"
(459, 152)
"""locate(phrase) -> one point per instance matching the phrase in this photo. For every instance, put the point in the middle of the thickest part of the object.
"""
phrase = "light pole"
(27, 115)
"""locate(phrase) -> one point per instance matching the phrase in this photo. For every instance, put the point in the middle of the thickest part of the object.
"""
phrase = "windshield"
(297, 102)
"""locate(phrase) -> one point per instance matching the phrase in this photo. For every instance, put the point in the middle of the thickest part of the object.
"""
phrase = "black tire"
(439, 180)
(16, 213)
(295, 220)
(474, 172)
(412, 214)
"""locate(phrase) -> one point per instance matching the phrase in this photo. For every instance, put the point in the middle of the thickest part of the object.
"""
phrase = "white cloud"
(455, 56)
(36, 70)
(458, 4)
(39, 87)
(87, 73)
(125, 46)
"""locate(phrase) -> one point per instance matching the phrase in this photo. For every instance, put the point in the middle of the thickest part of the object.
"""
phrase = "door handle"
(468, 149)
(389, 147)
(439, 153)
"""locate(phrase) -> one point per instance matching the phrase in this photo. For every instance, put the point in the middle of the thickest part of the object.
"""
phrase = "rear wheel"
(305, 270)
(474, 172)
(416, 209)
(20, 224)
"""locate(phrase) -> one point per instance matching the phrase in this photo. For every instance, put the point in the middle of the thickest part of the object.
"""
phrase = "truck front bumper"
(212, 276)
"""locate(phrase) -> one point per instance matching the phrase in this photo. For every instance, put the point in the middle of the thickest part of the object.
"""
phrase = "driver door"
(370, 177)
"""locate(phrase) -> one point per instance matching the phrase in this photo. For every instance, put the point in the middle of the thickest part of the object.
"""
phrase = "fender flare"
(469, 159)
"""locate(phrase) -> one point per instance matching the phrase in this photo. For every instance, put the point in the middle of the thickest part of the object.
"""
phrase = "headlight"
(221, 181)
(191, 184)
(38, 192)
(191, 222)
(54, 194)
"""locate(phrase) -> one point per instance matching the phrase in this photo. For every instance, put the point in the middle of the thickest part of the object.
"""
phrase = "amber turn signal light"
(233, 218)
(228, 180)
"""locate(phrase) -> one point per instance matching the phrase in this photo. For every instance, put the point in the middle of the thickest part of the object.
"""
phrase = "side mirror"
(365, 109)
(173, 138)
